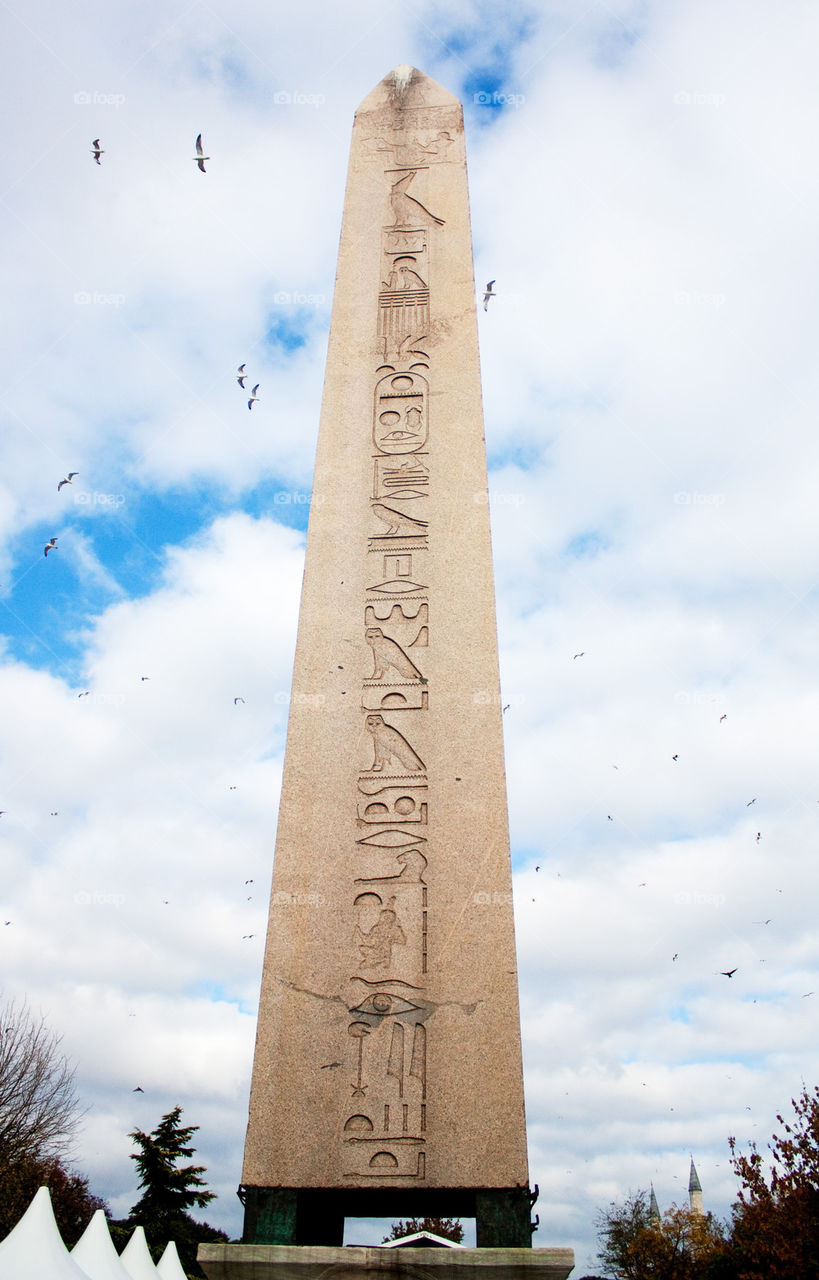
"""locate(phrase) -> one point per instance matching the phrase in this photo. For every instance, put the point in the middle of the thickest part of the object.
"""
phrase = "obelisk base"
(302, 1262)
(312, 1216)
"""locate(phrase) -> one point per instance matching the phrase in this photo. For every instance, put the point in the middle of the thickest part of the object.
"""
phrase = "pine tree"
(170, 1189)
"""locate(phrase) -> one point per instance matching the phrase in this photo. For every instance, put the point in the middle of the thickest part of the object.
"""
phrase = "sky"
(644, 190)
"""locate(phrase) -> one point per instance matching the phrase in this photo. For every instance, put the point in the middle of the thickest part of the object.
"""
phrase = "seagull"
(723, 717)
(675, 955)
(253, 397)
(768, 921)
(675, 757)
(138, 1089)
(750, 802)
(537, 868)
(610, 818)
(200, 157)
(235, 700)
(248, 882)
(85, 694)
(758, 836)
(247, 935)
(727, 973)
(508, 705)
(242, 376)
(67, 480)
(579, 655)
(97, 150)
(51, 546)
(489, 294)
(144, 677)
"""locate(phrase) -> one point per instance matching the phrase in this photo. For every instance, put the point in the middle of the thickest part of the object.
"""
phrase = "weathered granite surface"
(388, 1046)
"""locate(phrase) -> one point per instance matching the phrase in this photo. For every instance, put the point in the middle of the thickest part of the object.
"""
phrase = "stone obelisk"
(387, 1075)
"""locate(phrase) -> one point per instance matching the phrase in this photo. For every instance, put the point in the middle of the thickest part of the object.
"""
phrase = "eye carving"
(384, 1005)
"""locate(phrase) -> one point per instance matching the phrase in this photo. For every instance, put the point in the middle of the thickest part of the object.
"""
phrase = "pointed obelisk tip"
(404, 87)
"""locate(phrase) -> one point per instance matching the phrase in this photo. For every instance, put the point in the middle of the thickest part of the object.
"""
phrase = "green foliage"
(73, 1203)
(169, 1190)
(449, 1228)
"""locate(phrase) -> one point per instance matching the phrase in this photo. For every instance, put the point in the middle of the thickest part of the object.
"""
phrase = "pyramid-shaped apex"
(95, 1252)
(169, 1266)
(136, 1257)
(34, 1249)
(404, 87)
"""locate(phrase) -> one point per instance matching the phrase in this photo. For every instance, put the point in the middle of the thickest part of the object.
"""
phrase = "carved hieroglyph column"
(387, 1071)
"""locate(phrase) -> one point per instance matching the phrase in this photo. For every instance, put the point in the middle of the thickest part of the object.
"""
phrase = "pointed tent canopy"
(169, 1266)
(34, 1249)
(136, 1258)
(95, 1252)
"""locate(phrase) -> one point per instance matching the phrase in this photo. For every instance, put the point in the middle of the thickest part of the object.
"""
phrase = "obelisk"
(387, 1075)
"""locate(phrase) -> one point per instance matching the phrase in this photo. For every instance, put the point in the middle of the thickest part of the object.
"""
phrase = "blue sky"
(642, 192)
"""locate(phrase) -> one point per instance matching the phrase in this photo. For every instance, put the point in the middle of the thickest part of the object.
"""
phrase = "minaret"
(387, 1078)
(694, 1191)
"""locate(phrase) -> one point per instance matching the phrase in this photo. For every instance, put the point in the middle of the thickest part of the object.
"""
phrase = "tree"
(680, 1246)
(39, 1109)
(71, 1200)
(170, 1189)
(776, 1218)
(449, 1228)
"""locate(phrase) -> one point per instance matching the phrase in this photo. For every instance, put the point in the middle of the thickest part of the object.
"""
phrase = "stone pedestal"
(284, 1262)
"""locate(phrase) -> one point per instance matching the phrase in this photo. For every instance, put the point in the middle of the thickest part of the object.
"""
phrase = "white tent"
(169, 1266)
(34, 1249)
(136, 1258)
(95, 1252)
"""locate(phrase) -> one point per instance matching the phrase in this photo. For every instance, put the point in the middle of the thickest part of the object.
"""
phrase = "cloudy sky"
(645, 191)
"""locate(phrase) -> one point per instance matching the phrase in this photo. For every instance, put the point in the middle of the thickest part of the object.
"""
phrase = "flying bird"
(253, 397)
(579, 655)
(144, 677)
(506, 708)
(758, 836)
(85, 694)
(242, 376)
(200, 156)
(727, 973)
(675, 757)
(750, 802)
(235, 700)
(138, 1089)
(96, 150)
(490, 293)
(67, 480)
(675, 955)
(51, 546)
(723, 717)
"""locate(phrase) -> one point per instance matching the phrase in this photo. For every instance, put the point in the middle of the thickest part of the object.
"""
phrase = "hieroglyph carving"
(385, 1136)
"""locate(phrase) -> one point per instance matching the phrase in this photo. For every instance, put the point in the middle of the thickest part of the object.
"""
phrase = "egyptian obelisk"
(387, 1075)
